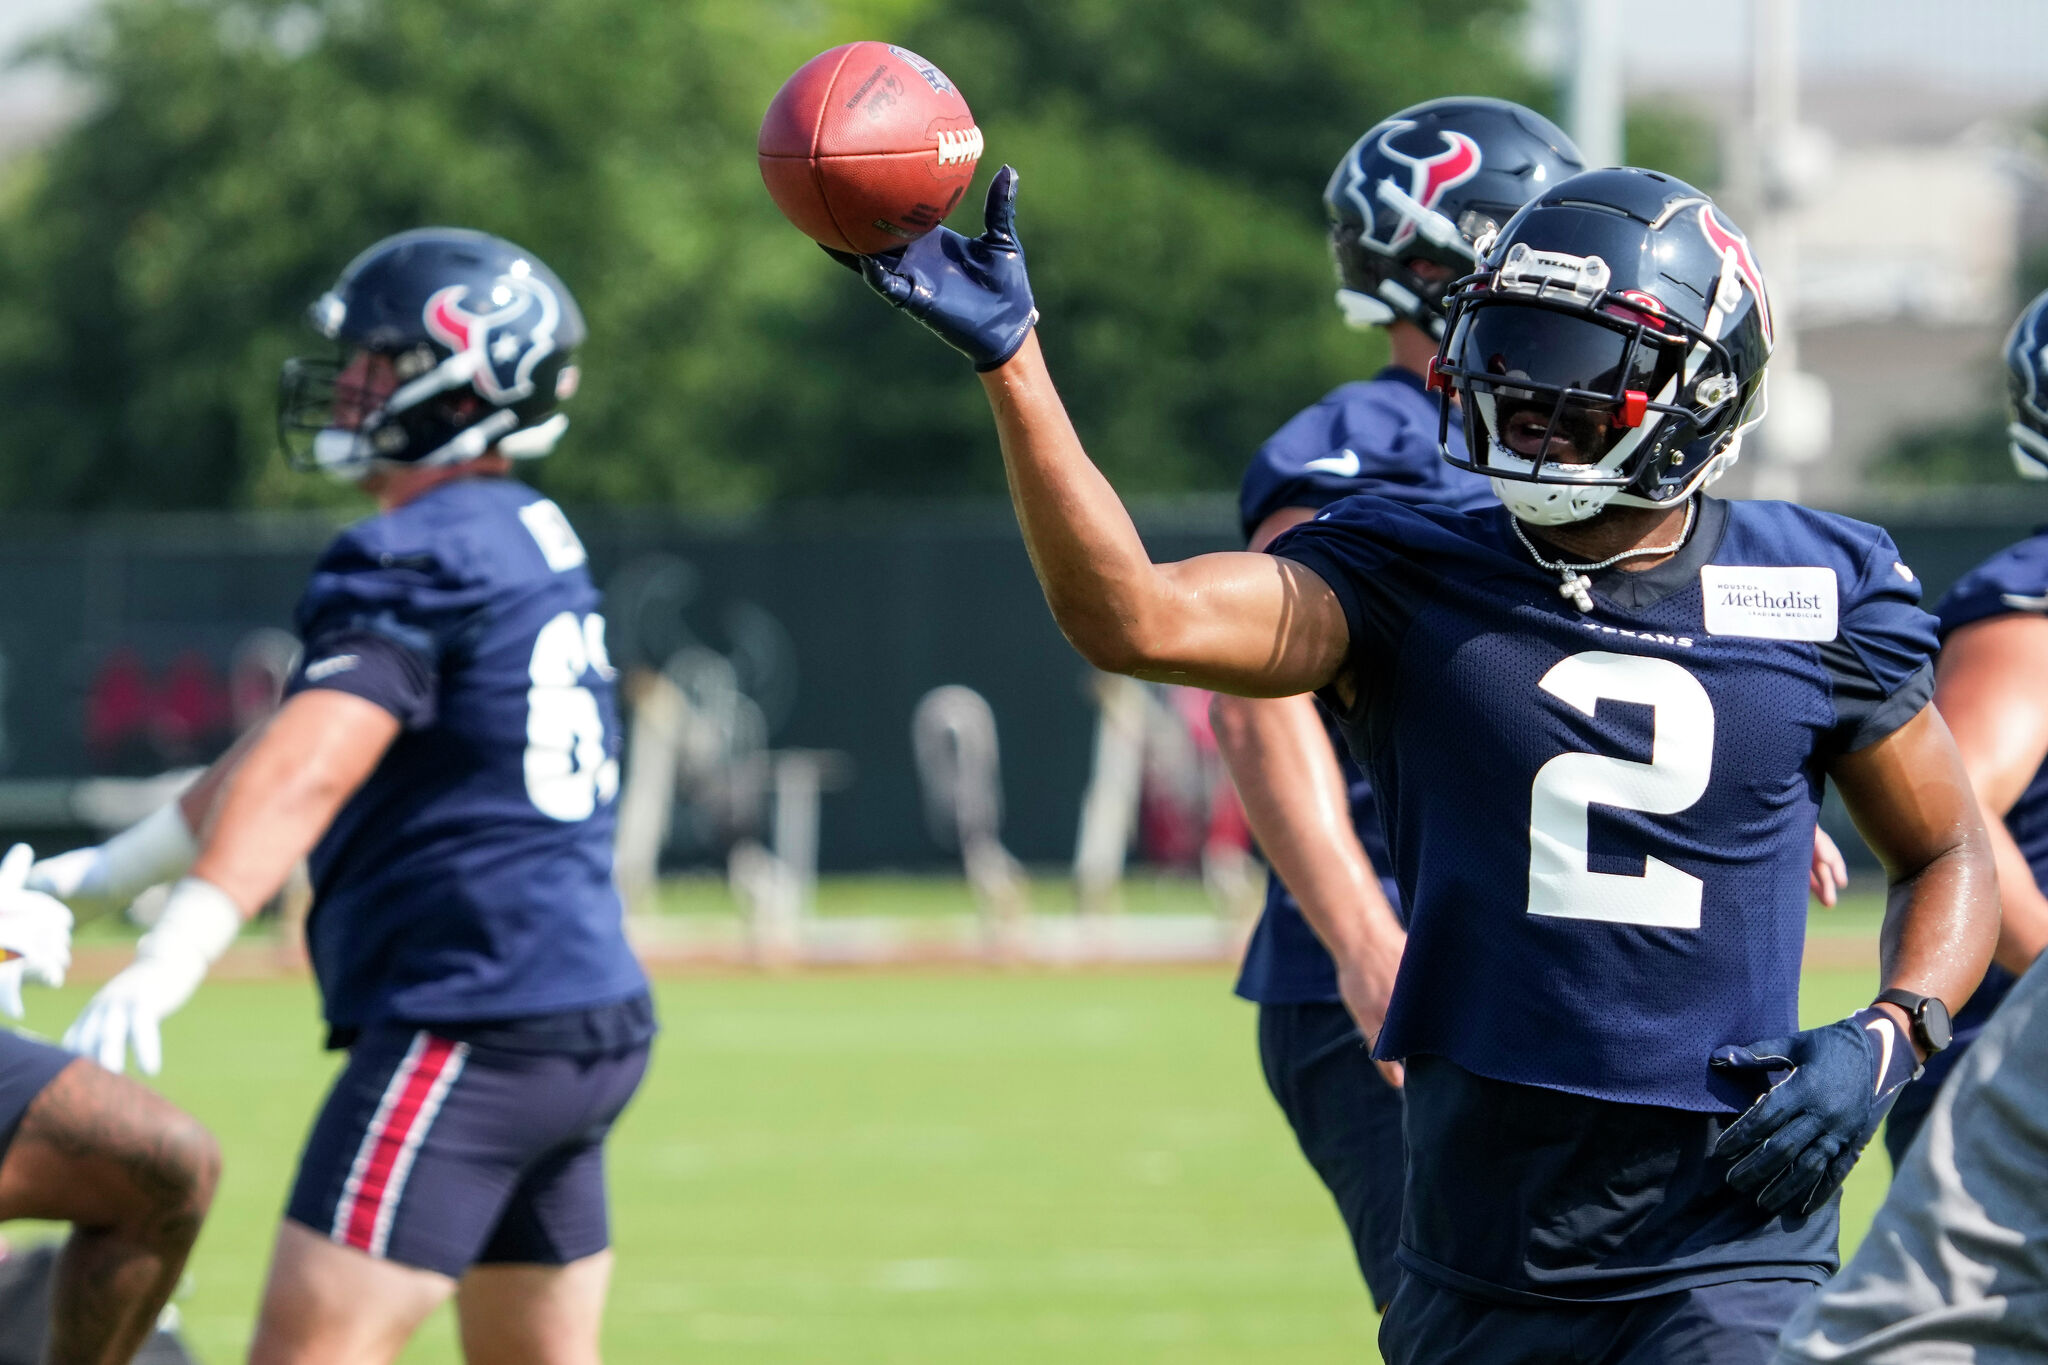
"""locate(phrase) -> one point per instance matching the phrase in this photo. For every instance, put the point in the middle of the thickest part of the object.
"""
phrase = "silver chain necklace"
(1577, 585)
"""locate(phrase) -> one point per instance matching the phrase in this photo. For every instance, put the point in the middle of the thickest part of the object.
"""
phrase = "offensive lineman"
(447, 752)
(1953, 1266)
(1597, 719)
(1404, 206)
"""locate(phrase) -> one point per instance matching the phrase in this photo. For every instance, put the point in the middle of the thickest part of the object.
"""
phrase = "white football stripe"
(960, 146)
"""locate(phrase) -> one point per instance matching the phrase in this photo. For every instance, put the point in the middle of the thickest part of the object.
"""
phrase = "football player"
(130, 1173)
(1404, 206)
(447, 753)
(1994, 656)
(1952, 1258)
(1597, 719)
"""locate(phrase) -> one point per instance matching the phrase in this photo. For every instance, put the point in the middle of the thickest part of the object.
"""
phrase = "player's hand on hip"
(198, 923)
(1794, 1147)
(35, 932)
(1367, 987)
(971, 292)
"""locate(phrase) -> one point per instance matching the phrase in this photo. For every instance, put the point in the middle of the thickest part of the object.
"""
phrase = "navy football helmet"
(2026, 364)
(481, 337)
(1621, 314)
(1424, 185)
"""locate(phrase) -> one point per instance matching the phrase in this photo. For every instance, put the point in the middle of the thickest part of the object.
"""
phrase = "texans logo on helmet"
(1728, 240)
(1428, 178)
(507, 341)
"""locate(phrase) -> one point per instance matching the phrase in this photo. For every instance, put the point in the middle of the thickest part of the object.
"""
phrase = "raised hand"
(970, 292)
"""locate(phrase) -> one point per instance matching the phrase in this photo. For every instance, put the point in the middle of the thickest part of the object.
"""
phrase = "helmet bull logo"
(506, 341)
(1430, 176)
(1733, 247)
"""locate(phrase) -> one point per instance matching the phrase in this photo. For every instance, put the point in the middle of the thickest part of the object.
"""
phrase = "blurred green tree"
(240, 151)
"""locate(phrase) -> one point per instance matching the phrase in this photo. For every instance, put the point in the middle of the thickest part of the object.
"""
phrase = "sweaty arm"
(1909, 794)
(1988, 685)
(1247, 624)
(1295, 799)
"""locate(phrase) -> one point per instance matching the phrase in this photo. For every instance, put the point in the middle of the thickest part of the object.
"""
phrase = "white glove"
(198, 924)
(35, 933)
(154, 849)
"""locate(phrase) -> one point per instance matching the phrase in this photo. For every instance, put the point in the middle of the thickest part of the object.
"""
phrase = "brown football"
(867, 147)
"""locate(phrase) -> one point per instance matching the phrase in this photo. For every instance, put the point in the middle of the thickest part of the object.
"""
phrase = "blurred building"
(1912, 191)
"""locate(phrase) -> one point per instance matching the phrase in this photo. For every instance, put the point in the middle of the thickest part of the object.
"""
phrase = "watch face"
(1935, 1028)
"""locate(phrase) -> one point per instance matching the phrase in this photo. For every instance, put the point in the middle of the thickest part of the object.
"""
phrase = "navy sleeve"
(2013, 580)
(1881, 661)
(382, 623)
(1369, 550)
(376, 667)
(1332, 450)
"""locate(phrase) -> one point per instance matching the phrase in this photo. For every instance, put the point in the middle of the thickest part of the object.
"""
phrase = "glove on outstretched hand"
(1795, 1146)
(971, 292)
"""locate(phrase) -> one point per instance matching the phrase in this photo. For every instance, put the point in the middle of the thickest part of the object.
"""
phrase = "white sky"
(1992, 47)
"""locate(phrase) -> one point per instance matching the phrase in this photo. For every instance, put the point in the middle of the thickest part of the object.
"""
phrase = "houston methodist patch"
(1770, 602)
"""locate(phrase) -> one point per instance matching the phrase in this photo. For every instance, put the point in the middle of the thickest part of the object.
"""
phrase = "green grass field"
(895, 1167)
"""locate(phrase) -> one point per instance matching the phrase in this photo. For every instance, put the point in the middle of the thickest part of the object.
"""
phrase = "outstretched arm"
(1988, 686)
(269, 809)
(1241, 623)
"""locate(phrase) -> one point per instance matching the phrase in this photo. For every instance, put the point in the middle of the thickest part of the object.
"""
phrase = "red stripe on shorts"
(377, 1178)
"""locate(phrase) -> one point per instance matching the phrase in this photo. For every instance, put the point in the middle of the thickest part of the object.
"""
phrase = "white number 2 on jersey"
(1681, 755)
(567, 771)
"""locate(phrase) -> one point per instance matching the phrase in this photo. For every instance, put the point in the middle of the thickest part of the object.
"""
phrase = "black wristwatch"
(1931, 1027)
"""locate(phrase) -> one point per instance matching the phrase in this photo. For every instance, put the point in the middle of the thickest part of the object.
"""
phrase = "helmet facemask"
(1574, 397)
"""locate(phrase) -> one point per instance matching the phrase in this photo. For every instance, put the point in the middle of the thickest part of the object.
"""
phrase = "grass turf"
(893, 1167)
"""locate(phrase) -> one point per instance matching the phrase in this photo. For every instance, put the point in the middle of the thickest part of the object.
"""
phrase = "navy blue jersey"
(471, 876)
(2013, 580)
(1602, 824)
(1377, 436)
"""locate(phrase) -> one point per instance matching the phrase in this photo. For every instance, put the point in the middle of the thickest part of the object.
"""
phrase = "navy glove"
(970, 291)
(1794, 1147)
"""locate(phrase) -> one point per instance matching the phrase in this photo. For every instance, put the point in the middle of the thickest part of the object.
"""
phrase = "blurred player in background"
(1954, 1266)
(447, 752)
(1992, 688)
(1597, 719)
(1404, 206)
(130, 1173)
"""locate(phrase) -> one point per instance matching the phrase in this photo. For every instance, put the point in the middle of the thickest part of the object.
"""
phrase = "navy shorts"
(444, 1154)
(26, 1068)
(1348, 1122)
(1736, 1323)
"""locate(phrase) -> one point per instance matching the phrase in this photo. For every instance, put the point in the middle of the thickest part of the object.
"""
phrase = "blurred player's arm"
(1295, 798)
(1910, 797)
(1988, 685)
(267, 810)
(157, 848)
